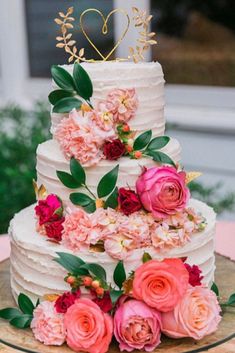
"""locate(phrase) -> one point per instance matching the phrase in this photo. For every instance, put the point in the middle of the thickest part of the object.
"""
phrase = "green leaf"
(146, 257)
(77, 171)
(25, 304)
(158, 142)
(160, 157)
(82, 82)
(112, 200)
(108, 182)
(119, 274)
(22, 321)
(142, 140)
(70, 262)
(97, 270)
(37, 303)
(62, 78)
(83, 200)
(57, 95)
(215, 289)
(67, 180)
(66, 105)
(115, 295)
(9, 313)
(231, 300)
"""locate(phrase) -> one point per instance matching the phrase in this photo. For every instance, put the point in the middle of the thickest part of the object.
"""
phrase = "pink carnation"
(77, 228)
(163, 191)
(137, 326)
(78, 138)
(196, 315)
(123, 104)
(47, 325)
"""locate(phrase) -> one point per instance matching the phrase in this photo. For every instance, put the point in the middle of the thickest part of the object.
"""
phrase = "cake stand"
(15, 340)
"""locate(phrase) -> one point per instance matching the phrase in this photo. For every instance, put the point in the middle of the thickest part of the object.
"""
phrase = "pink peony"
(137, 326)
(196, 315)
(46, 209)
(77, 227)
(161, 284)
(163, 191)
(78, 138)
(123, 104)
(103, 117)
(47, 325)
(88, 328)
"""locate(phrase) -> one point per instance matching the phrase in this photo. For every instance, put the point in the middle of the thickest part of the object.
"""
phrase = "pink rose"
(137, 326)
(46, 209)
(196, 315)
(163, 191)
(88, 328)
(123, 104)
(161, 284)
(47, 325)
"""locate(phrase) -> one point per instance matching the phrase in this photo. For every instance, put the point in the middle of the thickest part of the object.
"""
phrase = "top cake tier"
(146, 78)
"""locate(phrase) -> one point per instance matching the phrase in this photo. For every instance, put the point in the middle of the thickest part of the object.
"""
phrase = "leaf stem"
(87, 188)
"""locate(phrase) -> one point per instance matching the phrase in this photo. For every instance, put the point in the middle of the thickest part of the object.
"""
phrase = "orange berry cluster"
(88, 282)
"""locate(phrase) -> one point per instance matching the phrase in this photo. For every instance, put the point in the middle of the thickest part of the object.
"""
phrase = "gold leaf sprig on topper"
(140, 20)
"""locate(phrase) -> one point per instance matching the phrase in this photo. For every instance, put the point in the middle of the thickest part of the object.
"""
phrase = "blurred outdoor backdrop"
(196, 47)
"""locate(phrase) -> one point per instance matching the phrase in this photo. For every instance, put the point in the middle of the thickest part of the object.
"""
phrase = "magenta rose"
(163, 191)
(195, 275)
(113, 149)
(46, 209)
(129, 201)
(137, 326)
(66, 300)
(54, 230)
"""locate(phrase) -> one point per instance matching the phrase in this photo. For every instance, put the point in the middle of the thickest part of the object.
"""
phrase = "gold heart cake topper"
(140, 19)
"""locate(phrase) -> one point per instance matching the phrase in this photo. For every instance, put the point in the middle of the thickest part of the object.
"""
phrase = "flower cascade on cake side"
(158, 297)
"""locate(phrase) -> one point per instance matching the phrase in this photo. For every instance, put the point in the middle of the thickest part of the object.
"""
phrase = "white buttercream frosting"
(34, 272)
(50, 159)
(146, 78)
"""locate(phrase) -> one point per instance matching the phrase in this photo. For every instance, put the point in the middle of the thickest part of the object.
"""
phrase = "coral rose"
(67, 299)
(54, 230)
(163, 191)
(47, 325)
(129, 201)
(88, 328)
(196, 315)
(137, 326)
(113, 149)
(123, 104)
(161, 284)
(46, 209)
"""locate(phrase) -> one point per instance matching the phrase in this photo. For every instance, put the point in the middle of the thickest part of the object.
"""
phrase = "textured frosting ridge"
(33, 272)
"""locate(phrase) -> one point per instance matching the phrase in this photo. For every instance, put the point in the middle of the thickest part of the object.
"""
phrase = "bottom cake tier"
(34, 272)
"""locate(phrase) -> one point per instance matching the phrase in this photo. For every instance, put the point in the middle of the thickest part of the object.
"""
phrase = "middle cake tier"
(51, 159)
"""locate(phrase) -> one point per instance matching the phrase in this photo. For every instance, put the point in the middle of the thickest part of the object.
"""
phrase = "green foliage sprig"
(20, 318)
(79, 84)
(106, 187)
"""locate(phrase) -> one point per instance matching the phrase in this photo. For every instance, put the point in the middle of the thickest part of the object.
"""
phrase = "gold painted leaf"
(50, 297)
(70, 59)
(151, 34)
(152, 42)
(67, 49)
(135, 10)
(75, 50)
(68, 25)
(59, 38)
(70, 19)
(71, 42)
(190, 176)
(68, 36)
(60, 45)
(58, 21)
(81, 52)
(62, 14)
(70, 11)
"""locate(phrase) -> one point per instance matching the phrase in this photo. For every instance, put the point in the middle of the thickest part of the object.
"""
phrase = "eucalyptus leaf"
(158, 142)
(83, 200)
(119, 274)
(215, 289)
(160, 157)
(96, 270)
(68, 180)
(57, 95)
(66, 105)
(70, 262)
(82, 82)
(22, 321)
(25, 304)
(115, 295)
(142, 140)
(108, 182)
(9, 313)
(112, 200)
(62, 78)
(77, 171)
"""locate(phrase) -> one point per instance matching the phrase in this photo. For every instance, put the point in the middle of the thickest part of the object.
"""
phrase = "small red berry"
(87, 281)
(138, 154)
(95, 284)
(129, 148)
(100, 291)
(71, 280)
(126, 128)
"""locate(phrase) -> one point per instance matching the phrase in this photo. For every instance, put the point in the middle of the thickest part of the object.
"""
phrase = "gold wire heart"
(105, 29)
